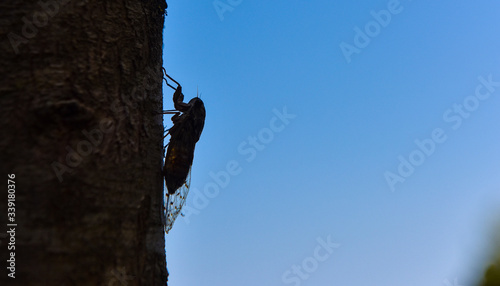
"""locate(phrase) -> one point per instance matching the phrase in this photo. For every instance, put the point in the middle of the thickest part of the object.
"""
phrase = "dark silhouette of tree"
(80, 96)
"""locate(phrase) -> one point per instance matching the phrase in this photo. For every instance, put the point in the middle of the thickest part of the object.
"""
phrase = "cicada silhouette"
(188, 122)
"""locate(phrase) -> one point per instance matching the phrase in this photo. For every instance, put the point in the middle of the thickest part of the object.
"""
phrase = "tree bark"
(80, 97)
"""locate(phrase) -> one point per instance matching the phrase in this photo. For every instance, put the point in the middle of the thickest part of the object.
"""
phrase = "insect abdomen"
(177, 164)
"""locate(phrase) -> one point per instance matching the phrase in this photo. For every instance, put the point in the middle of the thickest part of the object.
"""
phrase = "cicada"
(188, 122)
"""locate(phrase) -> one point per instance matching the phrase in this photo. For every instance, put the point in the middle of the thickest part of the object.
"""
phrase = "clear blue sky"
(322, 175)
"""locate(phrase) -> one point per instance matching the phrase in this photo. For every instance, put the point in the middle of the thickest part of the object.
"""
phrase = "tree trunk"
(81, 138)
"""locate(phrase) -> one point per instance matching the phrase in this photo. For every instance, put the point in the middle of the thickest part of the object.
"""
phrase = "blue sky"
(319, 173)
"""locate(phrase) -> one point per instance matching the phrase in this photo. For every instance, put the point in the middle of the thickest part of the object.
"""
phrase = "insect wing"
(175, 202)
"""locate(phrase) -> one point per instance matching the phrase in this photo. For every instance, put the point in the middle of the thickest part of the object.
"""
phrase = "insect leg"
(164, 150)
(178, 96)
(165, 72)
(170, 112)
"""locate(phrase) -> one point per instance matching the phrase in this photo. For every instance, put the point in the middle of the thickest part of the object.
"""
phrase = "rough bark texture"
(80, 93)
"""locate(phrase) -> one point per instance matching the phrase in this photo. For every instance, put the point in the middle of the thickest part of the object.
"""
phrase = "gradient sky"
(322, 173)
